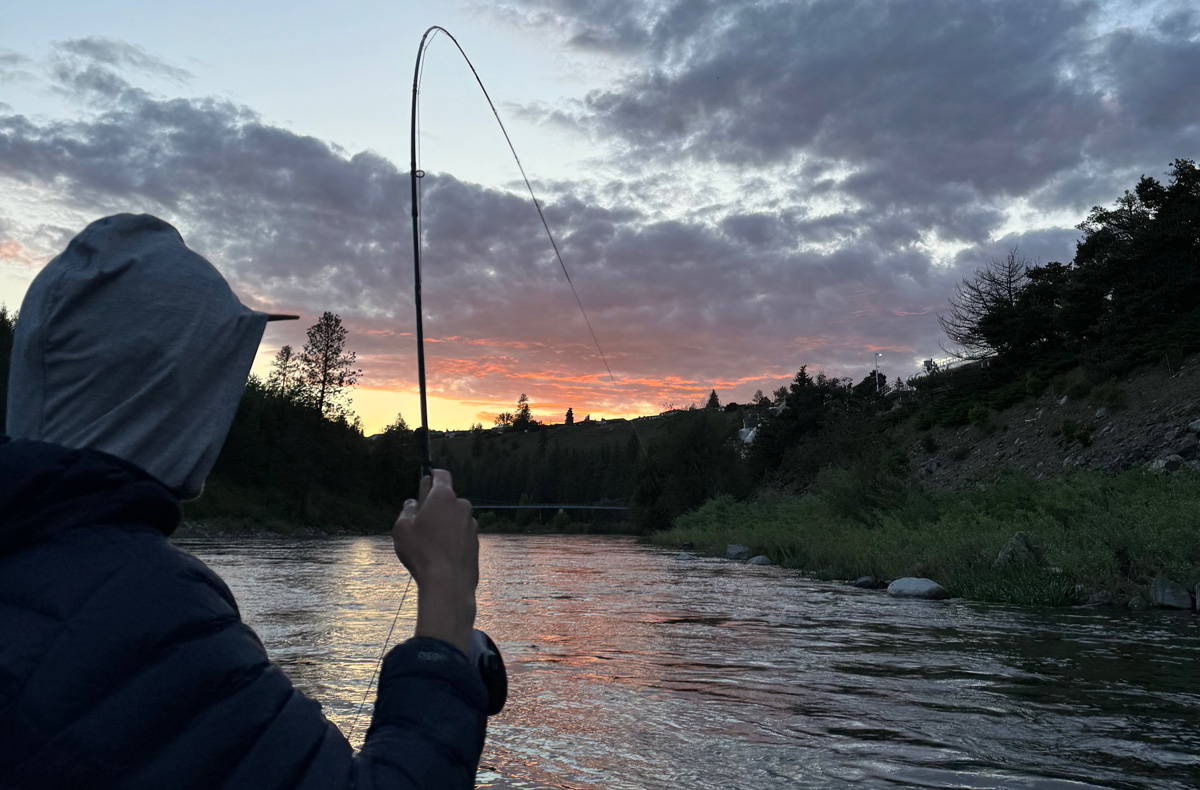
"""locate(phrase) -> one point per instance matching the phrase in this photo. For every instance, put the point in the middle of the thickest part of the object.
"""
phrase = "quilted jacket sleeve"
(139, 673)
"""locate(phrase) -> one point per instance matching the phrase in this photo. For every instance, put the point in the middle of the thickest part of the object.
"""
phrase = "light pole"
(877, 353)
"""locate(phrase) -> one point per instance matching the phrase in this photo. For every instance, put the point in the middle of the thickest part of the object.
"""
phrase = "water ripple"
(633, 668)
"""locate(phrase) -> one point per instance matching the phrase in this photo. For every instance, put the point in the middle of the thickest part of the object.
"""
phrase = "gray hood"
(130, 343)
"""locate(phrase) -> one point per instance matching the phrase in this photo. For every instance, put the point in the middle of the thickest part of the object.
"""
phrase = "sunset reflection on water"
(637, 668)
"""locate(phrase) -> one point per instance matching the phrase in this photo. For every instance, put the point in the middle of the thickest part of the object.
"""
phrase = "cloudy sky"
(738, 188)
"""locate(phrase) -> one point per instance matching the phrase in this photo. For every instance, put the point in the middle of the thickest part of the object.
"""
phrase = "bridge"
(544, 506)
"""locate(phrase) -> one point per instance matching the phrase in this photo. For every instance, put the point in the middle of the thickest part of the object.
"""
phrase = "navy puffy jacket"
(124, 662)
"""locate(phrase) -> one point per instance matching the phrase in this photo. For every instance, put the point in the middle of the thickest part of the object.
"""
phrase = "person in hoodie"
(123, 660)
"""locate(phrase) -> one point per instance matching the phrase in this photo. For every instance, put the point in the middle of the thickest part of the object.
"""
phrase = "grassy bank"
(1097, 532)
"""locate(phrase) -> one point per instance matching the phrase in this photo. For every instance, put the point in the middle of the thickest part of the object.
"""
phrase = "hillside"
(1100, 433)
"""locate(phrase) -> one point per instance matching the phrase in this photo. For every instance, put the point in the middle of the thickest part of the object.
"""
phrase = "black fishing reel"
(486, 656)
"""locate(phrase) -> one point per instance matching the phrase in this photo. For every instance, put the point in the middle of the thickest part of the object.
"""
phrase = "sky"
(737, 188)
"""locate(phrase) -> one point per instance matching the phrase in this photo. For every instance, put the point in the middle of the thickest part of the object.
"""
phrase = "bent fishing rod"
(415, 174)
(491, 665)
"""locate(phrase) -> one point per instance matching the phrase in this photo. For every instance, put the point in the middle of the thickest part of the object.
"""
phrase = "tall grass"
(1112, 533)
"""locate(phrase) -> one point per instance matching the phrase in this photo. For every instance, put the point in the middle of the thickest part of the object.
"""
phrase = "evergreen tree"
(285, 377)
(8, 324)
(983, 301)
(570, 420)
(523, 418)
(712, 402)
(328, 369)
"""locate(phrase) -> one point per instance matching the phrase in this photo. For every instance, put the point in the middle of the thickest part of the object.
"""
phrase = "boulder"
(865, 582)
(683, 556)
(911, 587)
(1166, 594)
(736, 551)
(1194, 426)
(1018, 551)
(1170, 463)
(761, 559)
(1188, 448)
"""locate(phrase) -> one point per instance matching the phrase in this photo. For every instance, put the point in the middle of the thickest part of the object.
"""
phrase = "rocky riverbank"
(1126, 539)
(1151, 418)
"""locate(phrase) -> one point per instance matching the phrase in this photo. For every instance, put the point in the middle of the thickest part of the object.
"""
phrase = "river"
(633, 667)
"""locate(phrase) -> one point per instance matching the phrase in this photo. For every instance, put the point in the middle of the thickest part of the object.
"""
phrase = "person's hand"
(437, 540)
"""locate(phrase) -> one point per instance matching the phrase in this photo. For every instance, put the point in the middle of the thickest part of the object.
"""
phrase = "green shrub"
(980, 416)
(1110, 394)
(1072, 431)
(928, 443)
(954, 414)
(924, 420)
(1034, 384)
(1074, 384)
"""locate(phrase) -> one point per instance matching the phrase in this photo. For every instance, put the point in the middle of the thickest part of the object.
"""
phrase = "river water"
(632, 667)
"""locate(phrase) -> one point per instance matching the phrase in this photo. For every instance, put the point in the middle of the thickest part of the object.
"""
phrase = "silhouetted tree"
(327, 367)
(570, 419)
(286, 374)
(987, 298)
(8, 324)
(712, 402)
(523, 417)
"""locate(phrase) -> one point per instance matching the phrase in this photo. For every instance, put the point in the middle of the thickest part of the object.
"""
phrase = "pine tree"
(328, 369)
(285, 378)
(570, 420)
(523, 418)
(8, 324)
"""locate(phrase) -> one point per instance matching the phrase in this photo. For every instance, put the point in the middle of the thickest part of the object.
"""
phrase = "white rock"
(736, 551)
(912, 587)
(761, 559)
(1170, 463)
(1166, 594)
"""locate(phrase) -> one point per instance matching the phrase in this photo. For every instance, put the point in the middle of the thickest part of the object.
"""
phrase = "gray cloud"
(930, 115)
(887, 122)
(121, 55)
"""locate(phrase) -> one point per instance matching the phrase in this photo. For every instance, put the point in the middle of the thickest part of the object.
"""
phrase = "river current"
(633, 667)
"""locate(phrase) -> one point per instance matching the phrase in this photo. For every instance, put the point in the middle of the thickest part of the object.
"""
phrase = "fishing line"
(379, 662)
(416, 175)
